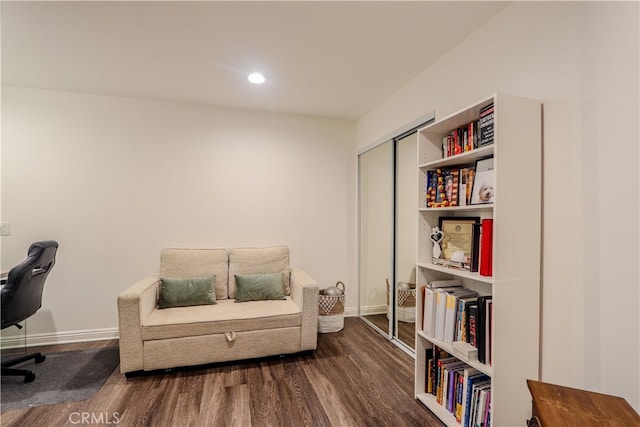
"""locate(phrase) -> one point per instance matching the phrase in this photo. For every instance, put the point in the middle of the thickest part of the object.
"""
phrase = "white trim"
(374, 309)
(34, 340)
(422, 120)
(351, 312)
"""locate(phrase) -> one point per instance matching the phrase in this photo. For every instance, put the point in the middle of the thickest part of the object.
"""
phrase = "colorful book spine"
(486, 248)
(486, 125)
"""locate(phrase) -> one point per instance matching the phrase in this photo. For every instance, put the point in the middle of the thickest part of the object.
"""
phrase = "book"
(482, 405)
(465, 350)
(438, 354)
(476, 134)
(430, 304)
(489, 331)
(423, 292)
(457, 334)
(472, 327)
(440, 377)
(429, 316)
(486, 125)
(463, 188)
(469, 146)
(445, 283)
(467, 373)
(451, 307)
(471, 173)
(486, 247)
(432, 186)
(458, 137)
(428, 357)
(441, 196)
(452, 385)
(463, 308)
(449, 319)
(452, 178)
(475, 248)
(472, 382)
(481, 327)
(446, 368)
(440, 307)
(487, 409)
(457, 413)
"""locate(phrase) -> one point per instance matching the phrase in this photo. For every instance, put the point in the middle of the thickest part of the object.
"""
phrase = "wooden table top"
(556, 405)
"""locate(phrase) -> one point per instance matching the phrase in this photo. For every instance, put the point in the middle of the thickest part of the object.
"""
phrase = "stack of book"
(459, 316)
(449, 187)
(464, 391)
(470, 136)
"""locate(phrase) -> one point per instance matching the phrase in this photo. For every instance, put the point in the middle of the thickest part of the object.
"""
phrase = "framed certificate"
(458, 241)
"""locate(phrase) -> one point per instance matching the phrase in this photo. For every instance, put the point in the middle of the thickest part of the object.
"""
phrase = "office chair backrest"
(21, 296)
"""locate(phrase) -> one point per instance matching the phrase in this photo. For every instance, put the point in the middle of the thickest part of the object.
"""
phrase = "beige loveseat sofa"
(153, 338)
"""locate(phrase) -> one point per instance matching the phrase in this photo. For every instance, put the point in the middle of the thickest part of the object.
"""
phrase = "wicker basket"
(330, 313)
(406, 300)
(407, 305)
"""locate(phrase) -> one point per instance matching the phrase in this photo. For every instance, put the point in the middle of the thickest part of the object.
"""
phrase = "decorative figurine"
(436, 237)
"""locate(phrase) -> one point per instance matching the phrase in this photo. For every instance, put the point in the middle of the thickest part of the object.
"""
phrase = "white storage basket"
(330, 312)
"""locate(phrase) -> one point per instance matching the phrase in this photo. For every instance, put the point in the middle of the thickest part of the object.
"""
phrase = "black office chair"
(21, 297)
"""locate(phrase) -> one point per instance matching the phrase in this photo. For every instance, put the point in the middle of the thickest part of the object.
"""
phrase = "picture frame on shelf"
(483, 182)
(459, 234)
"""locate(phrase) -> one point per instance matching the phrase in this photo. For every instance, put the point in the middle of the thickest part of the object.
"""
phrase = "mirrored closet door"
(406, 216)
(376, 173)
(388, 213)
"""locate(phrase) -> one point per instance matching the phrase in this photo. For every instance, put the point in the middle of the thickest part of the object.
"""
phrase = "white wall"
(581, 60)
(115, 180)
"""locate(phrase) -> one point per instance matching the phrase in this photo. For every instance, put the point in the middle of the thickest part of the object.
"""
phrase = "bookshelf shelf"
(484, 368)
(487, 207)
(439, 411)
(465, 158)
(515, 282)
(456, 272)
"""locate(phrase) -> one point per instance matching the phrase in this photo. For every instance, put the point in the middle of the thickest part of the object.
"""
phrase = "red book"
(486, 248)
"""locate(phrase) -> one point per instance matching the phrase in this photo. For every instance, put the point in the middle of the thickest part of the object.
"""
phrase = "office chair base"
(28, 375)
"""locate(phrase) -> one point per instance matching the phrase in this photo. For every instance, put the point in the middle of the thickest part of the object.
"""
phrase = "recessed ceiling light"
(256, 78)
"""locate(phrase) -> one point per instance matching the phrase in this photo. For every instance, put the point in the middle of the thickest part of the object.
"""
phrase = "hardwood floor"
(406, 331)
(356, 377)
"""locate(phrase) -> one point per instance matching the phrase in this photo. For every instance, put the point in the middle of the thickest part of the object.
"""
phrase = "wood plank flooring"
(356, 377)
(406, 331)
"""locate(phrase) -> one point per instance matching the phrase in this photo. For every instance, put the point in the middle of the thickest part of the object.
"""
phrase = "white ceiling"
(336, 59)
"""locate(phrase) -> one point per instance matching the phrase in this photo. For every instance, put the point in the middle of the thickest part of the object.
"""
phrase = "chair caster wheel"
(40, 358)
(29, 377)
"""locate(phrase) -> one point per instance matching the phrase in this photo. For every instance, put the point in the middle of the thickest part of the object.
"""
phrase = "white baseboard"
(350, 312)
(34, 340)
(373, 309)
(52, 338)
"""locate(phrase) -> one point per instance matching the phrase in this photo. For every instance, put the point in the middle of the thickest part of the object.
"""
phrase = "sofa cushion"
(258, 287)
(187, 292)
(273, 259)
(184, 263)
(225, 316)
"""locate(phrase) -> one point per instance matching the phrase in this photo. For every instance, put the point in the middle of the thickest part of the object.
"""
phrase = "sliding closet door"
(376, 177)
(406, 211)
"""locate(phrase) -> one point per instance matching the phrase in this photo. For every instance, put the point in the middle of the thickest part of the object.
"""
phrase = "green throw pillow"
(187, 292)
(258, 287)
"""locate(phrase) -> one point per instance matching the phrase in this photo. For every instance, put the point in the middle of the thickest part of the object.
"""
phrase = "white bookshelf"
(515, 283)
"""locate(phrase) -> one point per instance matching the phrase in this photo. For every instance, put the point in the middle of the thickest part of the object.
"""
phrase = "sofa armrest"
(134, 305)
(304, 292)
